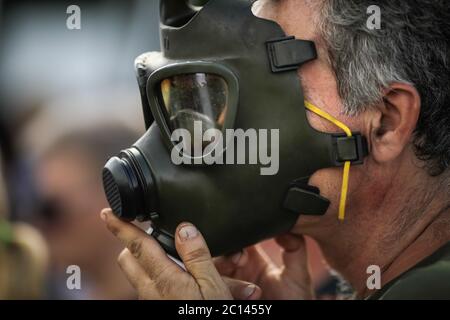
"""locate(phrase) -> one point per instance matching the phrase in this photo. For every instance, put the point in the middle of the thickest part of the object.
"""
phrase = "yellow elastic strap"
(347, 164)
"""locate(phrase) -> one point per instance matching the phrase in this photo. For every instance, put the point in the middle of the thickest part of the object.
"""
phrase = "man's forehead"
(296, 17)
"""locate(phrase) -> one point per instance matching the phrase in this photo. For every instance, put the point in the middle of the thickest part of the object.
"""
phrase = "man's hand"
(291, 281)
(155, 276)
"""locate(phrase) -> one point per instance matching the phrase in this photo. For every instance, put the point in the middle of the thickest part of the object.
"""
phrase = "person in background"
(23, 255)
(69, 181)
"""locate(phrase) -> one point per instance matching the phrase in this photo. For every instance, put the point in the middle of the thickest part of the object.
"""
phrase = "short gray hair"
(412, 46)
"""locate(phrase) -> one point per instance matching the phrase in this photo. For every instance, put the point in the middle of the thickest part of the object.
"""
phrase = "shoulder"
(431, 282)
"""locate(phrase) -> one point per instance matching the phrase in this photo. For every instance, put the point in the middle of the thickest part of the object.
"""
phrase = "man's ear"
(393, 128)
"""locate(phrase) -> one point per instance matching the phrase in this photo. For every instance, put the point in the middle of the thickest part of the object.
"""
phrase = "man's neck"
(407, 224)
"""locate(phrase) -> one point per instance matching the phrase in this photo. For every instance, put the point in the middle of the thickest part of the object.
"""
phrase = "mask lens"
(195, 97)
(196, 101)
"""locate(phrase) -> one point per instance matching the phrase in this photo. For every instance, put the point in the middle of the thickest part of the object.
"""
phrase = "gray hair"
(412, 46)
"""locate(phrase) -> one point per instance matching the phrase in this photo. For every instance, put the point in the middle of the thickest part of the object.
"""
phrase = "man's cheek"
(329, 182)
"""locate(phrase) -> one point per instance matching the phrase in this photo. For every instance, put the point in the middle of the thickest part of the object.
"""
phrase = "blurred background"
(69, 100)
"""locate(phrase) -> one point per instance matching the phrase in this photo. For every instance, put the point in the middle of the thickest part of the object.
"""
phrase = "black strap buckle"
(353, 149)
(288, 53)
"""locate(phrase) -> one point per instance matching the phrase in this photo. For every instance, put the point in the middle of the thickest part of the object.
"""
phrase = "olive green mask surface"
(234, 206)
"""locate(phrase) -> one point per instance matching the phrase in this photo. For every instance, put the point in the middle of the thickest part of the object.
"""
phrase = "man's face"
(299, 18)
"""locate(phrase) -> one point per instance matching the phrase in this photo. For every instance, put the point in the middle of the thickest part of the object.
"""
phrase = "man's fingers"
(143, 247)
(131, 267)
(249, 266)
(290, 242)
(242, 290)
(295, 259)
(294, 256)
(196, 257)
(136, 274)
(228, 265)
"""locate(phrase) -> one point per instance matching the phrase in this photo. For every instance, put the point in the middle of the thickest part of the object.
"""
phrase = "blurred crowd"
(63, 227)
(67, 103)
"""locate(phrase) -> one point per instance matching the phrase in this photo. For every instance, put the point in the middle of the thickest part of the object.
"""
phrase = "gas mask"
(221, 68)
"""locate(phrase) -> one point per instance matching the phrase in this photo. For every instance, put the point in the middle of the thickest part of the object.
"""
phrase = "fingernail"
(188, 232)
(104, 215)
(236, 257)
(249, 290)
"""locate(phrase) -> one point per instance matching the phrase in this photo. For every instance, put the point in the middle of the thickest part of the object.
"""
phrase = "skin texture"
(396, 213)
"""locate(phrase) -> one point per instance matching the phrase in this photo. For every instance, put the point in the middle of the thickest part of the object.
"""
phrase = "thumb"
(194, 253)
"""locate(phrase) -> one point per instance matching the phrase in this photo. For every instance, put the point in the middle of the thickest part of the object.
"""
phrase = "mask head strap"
(288, 53)
(348, 149)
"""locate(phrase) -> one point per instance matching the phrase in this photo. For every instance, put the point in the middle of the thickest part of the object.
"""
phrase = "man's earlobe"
(393, 128)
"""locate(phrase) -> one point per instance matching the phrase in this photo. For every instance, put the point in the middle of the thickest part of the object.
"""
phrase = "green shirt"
(428, 280)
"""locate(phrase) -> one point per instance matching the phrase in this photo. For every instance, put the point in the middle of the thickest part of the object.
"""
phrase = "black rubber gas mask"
(222, 69)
